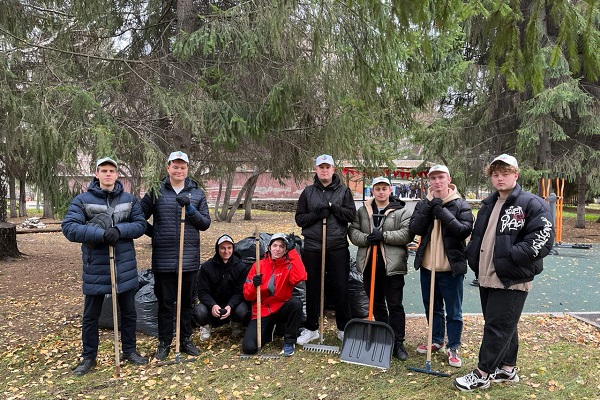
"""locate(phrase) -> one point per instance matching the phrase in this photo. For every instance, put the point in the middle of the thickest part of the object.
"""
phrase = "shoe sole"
(513, 380)
(455, 364)
(433, 350)
(464, 389)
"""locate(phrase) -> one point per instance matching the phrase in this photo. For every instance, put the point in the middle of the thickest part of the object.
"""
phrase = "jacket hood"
(335, 182)
(95, 188)
(217, 257)
(453, 194)
(217, 243)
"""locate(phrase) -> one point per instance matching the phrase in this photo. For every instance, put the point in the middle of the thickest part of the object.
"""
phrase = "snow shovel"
(427, 369)
(178, 307)
(321, 347)
(368, 342)
(258, 310)
(113, 286)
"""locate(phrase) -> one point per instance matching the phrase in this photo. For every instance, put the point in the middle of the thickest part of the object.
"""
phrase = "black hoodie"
(220, 283)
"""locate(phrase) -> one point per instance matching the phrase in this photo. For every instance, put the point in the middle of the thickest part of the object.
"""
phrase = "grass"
(559, 358)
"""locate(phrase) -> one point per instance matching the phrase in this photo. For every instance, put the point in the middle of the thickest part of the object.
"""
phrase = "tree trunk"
(249, 183)
(8, 241)
(48, 212)
(248, 200)
(12, 194)
(581, 191)
(217, 201)
(227, 197)
(22, 198)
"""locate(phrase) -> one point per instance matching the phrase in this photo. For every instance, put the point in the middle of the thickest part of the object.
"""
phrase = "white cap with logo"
(381, 179)
(505, 158)
(106, 160)
(178, 155)
(324, 159)
(438, 168)
(225, 238)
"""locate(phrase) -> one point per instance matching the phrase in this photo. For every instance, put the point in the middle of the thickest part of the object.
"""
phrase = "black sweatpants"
(337, 270)
(502, 310)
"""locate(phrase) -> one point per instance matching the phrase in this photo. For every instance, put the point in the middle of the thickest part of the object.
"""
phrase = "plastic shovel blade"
(369, 343)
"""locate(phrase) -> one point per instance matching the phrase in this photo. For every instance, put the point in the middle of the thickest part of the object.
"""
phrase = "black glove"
(375, 237)
(111, 236)
(436, 201)
(333, 208)
(436, 206)
(257, 280)
(323, 212)
(102, 220)
(183, 200)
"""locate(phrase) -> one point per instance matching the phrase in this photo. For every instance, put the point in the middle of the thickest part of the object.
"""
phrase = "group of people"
(512, 234)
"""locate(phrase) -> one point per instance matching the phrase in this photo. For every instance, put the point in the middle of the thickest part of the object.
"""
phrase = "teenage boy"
(106, 216)
(176, 191)
(326, 199)
(442, 249)
(512, 235)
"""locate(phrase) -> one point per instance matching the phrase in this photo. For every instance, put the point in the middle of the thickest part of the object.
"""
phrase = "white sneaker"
(341, 335)
(307, 336)
(205, 332)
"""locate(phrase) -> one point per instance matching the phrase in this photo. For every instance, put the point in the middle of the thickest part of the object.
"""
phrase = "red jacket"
(278, 280)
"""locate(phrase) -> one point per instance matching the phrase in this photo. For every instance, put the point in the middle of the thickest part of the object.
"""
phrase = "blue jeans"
(448, 290)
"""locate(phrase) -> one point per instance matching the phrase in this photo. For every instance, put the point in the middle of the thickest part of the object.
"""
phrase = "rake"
(427, 369)
(177, 360)
(321, 348)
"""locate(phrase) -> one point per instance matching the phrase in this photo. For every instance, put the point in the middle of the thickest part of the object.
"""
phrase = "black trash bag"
(359, 301)
(146, 277)
(247, 250)
(146, 306)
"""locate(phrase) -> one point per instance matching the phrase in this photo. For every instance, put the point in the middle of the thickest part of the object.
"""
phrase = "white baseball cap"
(438, 168)
(106, 160)
(505, 158)
(324, 159)
(178, 155)
(381, 179)
(225, 238)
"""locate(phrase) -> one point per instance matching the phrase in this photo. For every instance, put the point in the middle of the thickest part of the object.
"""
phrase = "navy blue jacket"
(128, 218)
(166, 225)
(524, 236)
(341, 213)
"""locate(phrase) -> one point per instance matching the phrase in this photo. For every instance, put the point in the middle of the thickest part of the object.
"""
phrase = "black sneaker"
(400, 351)
(84, 366)
(187, 347)
(135, 358)
(162, 351)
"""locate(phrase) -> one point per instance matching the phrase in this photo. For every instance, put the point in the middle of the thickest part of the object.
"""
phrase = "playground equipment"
(556, 201)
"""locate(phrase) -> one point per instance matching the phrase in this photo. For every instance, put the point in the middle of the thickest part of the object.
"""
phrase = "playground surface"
(570, 283)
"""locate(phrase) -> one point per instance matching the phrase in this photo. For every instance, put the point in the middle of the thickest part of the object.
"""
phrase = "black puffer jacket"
(220, 283)
(128, 218)
(166, 225)
(524, 236)
(342, 212)
(456, 220)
